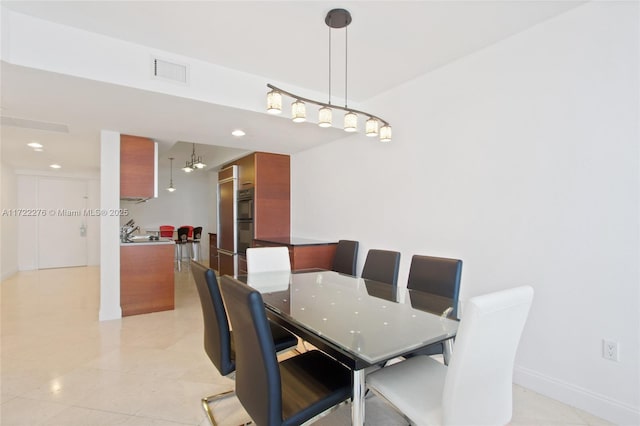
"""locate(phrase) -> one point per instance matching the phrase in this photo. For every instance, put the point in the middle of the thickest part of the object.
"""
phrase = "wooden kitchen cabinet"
(242, 264)
(138, 167)
(270, 176)
(246, 172)
(146, 278)
(213, 251)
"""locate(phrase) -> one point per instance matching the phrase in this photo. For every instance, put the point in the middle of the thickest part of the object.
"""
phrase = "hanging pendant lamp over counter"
(171, 188)
(374, 126)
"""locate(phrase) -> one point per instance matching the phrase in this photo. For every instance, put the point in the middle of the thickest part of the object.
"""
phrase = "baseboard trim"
(7, 274)
(597, 404)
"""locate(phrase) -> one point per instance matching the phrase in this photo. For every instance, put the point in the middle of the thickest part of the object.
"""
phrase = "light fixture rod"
(329, 65)
(346, 56)
(294, 96)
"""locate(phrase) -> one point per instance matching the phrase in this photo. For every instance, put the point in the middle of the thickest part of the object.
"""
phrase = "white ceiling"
(390, 42)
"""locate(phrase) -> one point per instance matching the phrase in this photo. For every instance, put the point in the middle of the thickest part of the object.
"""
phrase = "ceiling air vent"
(169, 70)
(33, 124)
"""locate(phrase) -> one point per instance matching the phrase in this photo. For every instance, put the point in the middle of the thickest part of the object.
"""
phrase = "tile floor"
(60, 366)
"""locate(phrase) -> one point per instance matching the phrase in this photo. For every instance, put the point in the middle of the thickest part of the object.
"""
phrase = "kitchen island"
(304, 253)
(146, 276)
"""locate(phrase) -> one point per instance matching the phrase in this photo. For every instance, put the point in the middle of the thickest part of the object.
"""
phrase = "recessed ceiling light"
(34, 145)
(38, 149)
(238, 132)
(55, 166)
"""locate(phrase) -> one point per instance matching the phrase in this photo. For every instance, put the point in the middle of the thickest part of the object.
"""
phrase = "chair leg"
(218, 397)
(179, 257)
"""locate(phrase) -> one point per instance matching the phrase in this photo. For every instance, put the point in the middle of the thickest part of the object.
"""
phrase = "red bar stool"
(166, 231)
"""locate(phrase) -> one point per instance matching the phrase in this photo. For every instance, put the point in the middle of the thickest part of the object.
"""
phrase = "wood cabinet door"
(272, 197)
(246, 172)
(137, 167)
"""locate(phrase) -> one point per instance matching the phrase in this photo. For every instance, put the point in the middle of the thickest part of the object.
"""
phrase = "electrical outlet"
(610, 350)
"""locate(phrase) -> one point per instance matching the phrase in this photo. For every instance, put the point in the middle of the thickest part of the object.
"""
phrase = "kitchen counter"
(294, 241)
(145, 241)
(304, 253)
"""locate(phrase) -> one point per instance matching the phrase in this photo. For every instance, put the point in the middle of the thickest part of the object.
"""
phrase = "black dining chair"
(382, 266)
(287, 393)
(435, 285)
(345, 258)
(218, 338)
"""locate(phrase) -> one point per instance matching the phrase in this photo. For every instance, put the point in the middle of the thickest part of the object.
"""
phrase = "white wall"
(9, 229)
(109, 226)
(93, 222)
(522, 160)
(191, 204)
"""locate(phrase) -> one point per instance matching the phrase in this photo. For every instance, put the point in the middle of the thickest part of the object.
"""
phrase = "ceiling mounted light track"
(374, 126)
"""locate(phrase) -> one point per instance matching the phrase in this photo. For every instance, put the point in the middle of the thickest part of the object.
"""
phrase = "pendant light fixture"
(374, 126)
(195, 163)
(171, 188)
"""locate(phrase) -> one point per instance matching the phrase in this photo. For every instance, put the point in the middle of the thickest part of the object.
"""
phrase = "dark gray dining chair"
(345, 258)
(382, 266)
(291, 392)
(218, 338)
(435, 285)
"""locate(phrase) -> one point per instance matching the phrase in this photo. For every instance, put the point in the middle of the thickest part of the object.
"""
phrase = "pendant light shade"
(324, 117)
(350, 122)
(298, 112)
(385, 133)
(274, 102)
(371, 127)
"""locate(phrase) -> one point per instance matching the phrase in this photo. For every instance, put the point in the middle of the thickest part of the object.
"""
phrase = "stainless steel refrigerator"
(227, 221)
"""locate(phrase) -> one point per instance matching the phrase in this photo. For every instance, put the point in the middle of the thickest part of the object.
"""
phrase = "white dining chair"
(266, 259)
(476, 387)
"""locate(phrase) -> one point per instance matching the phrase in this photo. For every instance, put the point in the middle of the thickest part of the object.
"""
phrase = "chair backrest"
(217, 336)
(166, 231)
(258, 382)
(438, 276)
(265, 259)
(382, 265)
(190, 228)
(197, 232)
(478, 387)
(183, 234)
(345, 258)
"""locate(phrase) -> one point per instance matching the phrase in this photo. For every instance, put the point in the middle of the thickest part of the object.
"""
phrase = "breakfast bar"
(304, 253)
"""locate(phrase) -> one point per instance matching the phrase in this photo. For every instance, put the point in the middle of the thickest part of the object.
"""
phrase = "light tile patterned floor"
(61, 366)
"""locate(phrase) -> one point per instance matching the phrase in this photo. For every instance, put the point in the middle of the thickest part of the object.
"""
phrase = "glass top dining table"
(359, 322)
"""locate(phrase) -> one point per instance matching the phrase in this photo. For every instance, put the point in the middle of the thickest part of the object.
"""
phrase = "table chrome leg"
(357, 405)
(447, 350)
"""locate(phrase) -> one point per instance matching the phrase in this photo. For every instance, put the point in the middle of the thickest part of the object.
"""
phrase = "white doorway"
(62, 240)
